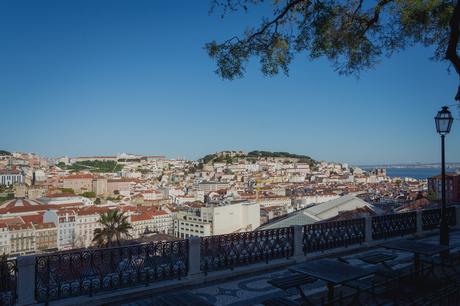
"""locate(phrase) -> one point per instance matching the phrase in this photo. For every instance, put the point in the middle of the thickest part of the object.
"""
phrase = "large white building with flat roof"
(234, 217)
(10, 177)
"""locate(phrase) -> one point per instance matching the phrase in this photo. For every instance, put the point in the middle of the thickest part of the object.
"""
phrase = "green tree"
(97, 201)
(67, 190)
(352, 34)
(89, 194)
(114, 228)
(431, 195)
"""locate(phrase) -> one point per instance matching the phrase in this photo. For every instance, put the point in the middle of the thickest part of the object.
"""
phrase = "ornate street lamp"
(443, 121)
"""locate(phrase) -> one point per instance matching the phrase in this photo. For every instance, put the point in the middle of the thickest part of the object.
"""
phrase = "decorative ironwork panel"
(328, 235)
(8, 281)
(228, 251)
(65, 274)
(393, 225)
(431, 218)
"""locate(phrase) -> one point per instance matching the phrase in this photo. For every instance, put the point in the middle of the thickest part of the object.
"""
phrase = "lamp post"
(443, 121)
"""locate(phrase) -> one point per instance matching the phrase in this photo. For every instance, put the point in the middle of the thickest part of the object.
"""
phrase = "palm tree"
(114, 227)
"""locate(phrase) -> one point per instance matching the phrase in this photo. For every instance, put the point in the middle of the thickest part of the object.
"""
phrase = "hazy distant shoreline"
(411, 166)
(416, 173)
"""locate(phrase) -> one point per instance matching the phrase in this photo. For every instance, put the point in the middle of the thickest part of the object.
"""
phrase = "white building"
(86, 221)
(274, 201)
(61, 199)
(40, 175)
(150, 222)
(217, 220)
(66, 225)
(4, 239)
(10, 177)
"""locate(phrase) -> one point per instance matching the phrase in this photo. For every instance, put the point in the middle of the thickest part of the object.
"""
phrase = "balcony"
(223, 270)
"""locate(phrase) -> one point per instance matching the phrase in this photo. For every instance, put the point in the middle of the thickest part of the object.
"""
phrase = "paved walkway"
(253, 290)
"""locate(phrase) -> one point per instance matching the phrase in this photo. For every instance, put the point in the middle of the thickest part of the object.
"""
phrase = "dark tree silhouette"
(352, 34)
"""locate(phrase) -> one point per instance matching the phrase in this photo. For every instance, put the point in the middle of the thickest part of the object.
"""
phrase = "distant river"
(416, 173)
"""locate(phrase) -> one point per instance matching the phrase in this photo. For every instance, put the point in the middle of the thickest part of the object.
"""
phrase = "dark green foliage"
(300, 158)
(431, 195)
(208, 158)
(130, 160)
(253, 156)
(3, 152)
(144, 171)
(352, 34)
(89, 194)
(108, 166)
(7, 197)
(114, 228)
(67, 190)
(61, 165)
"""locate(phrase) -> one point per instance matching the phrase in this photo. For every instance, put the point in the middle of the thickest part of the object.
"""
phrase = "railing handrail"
(105, 248)
(266, 244)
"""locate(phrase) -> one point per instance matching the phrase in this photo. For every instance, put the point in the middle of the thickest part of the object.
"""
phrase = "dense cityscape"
(230, 153)
(57, 204)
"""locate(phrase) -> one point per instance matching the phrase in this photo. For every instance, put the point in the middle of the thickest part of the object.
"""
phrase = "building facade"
(217, 220)
(10, 177)
(452, 187)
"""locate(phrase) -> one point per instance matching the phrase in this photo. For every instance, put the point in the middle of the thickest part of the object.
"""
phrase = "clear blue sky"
(105, 77)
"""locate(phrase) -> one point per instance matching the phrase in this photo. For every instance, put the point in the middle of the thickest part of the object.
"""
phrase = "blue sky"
(105, 77)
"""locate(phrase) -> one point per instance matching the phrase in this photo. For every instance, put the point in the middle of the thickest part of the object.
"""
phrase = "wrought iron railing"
(228, 251)
(328, 235)
(8, 281)
(431, 218)
(75, 273)
(394, 225)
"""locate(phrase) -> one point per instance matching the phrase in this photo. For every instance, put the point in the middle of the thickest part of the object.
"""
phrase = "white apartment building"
(22, 239)
(10, 177)
(208, 186)
(4, 239)
(86, 221)
(274, 201)
(315, 199)
(66, 225)
(152, 195)
(191, 224)
(150, 222)
(40, 175)
(217, 220)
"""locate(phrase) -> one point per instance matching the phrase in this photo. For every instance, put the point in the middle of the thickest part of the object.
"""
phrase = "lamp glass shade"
(444, 121)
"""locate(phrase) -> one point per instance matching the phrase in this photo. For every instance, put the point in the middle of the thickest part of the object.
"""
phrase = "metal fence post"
(419, 221)
(457, 216)
(298, 242)
(368, 229)
(26, 280)
(194, 256)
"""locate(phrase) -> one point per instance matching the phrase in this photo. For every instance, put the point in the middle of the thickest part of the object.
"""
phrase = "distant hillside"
(276, 154)
(233, 156)
(3, 152)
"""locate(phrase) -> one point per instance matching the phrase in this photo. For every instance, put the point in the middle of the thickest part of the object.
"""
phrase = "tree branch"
(451, 52)
(378, 8)
(283, 13)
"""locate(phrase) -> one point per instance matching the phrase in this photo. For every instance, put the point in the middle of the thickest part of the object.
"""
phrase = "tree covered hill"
(3, 153)
(233, 156)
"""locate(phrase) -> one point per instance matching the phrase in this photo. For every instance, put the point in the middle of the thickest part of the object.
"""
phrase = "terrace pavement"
(253, 289)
